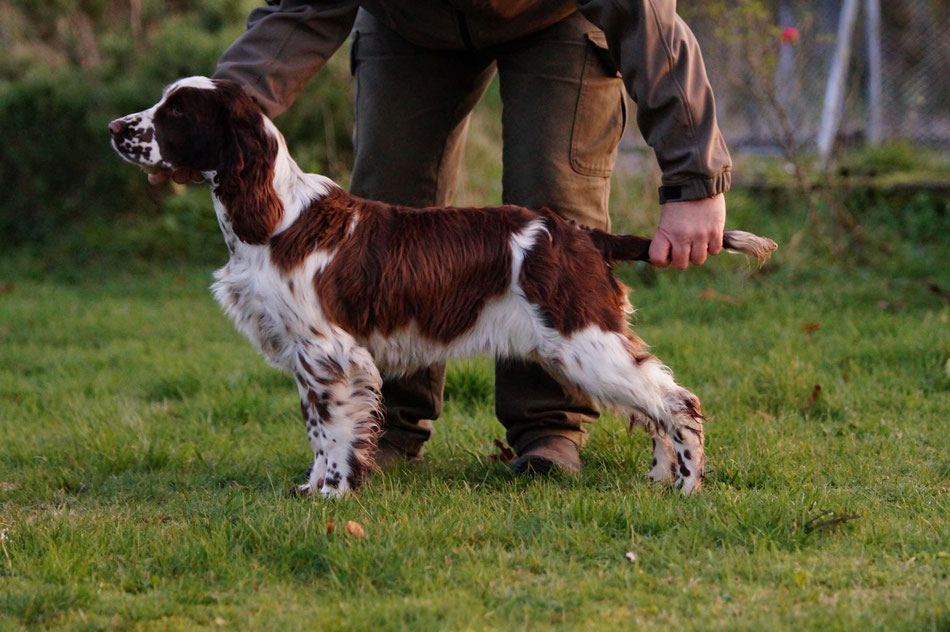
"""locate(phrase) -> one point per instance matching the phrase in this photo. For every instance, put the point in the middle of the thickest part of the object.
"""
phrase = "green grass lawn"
(146, 453)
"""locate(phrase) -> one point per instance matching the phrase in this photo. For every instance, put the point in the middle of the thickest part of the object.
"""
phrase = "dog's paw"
(690, 484)
(332, 493)
(297, 491)
(307, 489)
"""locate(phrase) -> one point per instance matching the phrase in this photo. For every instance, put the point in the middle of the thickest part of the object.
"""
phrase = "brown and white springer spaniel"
(337, 290)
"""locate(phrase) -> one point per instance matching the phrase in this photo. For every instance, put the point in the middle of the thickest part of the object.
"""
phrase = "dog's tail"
(635, 248)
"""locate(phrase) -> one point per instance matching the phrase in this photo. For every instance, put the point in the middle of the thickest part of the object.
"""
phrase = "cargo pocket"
(601, 112)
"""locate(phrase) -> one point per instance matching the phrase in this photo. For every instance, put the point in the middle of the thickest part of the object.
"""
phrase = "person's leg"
(563, 118)
(412, 109)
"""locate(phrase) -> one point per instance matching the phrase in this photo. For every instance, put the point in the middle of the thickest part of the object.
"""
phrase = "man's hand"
(688, 231)
(181, 176)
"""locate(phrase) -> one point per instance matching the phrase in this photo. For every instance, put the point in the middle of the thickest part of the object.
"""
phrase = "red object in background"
(790, 35)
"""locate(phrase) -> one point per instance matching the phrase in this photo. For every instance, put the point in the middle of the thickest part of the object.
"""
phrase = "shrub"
(56, 166)
(61, 182)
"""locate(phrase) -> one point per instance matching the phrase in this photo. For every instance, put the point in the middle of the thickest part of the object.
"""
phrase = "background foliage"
(70, 68)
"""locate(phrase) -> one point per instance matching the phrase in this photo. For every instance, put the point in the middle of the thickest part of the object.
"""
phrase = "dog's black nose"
(117, 126)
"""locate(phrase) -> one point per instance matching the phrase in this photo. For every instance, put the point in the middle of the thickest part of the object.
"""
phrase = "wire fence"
(914, 49)
(916, 54)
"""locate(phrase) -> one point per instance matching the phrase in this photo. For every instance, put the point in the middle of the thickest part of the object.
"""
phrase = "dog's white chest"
(252, 295)
(258, 302)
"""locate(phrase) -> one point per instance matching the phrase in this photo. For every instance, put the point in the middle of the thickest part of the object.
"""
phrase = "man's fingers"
(159, 177)
(694, 228)
(181, 176)
(660, 251)
(681, 255)
(697, 252)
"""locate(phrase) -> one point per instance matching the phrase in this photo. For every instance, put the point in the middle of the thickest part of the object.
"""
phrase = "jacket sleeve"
(662, 69)
(285, 43)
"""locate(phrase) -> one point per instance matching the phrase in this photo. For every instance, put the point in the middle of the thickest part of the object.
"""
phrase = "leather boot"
(548, 453)
(388, 455)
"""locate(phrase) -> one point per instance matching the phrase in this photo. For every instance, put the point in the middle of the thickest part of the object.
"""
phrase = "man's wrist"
(696, 188)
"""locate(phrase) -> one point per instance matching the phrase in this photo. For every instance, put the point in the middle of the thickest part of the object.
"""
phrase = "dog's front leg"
(310, 387)
(339, 389)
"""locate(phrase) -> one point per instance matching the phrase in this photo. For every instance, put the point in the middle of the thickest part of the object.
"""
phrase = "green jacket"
(287, 41)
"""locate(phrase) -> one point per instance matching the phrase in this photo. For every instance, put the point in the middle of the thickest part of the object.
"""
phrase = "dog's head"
(211, 126)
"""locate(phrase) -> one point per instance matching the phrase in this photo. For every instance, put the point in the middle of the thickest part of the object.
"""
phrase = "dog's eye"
(173, 110)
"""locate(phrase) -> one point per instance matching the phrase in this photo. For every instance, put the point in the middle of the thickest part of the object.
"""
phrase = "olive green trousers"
(563, 116)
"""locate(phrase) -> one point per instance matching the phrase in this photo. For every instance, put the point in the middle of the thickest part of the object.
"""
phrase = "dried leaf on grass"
(810, 329)
(813, 396)
(6, 288)
(355, 529)
(505, 454)
(352, 529)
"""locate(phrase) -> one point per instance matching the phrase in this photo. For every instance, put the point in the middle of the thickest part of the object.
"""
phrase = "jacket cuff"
(696, 188)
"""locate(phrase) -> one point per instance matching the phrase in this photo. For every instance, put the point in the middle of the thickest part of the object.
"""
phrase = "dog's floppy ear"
(247, 180)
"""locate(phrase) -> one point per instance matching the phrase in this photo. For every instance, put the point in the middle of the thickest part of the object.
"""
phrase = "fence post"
(872, 30)
(835, 88)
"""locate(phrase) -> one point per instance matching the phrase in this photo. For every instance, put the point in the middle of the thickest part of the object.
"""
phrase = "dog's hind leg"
(664, 466)
(664, 459)
(340, 396)
(616, 370)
